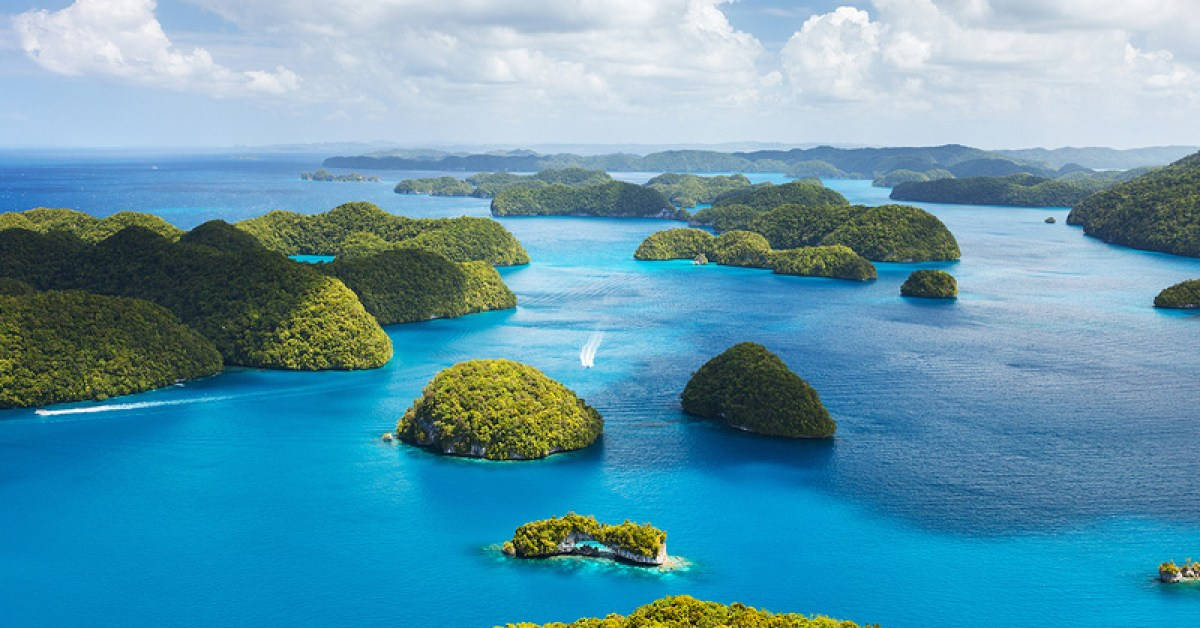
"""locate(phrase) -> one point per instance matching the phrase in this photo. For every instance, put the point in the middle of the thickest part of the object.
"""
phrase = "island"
(1017, 190)
(325, 175)
(435, 186)
(1158, 211)
(498, 410)
(458, 239)
(613, 199)
(681, 611)
(488, 184)
(930, 284)
(816, 168)
(887, 233)
(85, 226)
(751, 389)
(62, 346)
(1183, 295)
(1171, 573)
(257, 307)
(746, 248)
(687, 190)
(904, 175)
(725, 217)
(407, 285)
(580, 535)
(766, 196)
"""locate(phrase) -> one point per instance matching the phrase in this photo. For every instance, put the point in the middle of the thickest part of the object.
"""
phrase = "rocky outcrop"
(572, 546)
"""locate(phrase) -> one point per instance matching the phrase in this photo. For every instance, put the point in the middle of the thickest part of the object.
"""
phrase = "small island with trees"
(498, 410)
(1171, 573)
(930, 284)
(581, 535)
(745, 248)
(751, 389)
(1184, 295)
(325, 175)
(685, 610)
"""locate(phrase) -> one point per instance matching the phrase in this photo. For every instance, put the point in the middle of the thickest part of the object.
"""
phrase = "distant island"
(70, 346)
(435, 186)
(1183, 295)
(930, 284)
(687, 190)
(751, 389)
(1018, 190)
(325, 175)
(613, 199)
(903, 175)
(821, 161)
(498, 410)
(1158, 211)
(683, 610)
(580, 535)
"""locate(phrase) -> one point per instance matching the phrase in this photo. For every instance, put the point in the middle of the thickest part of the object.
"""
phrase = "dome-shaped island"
(751, 389)
(1183, 295)
(499, 410)
(930, 284)
(580, 535)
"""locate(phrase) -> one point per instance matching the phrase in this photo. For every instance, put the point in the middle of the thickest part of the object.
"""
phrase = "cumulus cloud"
(123, 39)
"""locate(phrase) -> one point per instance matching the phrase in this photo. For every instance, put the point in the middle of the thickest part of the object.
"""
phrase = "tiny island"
(1184, 295)
(930, 284)
(751, 389)
(581, 535)
(325, 175)
(498, 410)
(1171, 573)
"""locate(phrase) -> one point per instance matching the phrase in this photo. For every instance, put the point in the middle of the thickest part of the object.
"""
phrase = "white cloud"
(833, 54)
(123, 39)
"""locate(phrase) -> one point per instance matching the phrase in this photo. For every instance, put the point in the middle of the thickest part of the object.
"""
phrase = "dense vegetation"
(726, 217)
(405, 285)
(816, 168)
(895, 233)
(488, 184)
(437, 186)
(67, 346)
(1185, 294)
(896, 177)
(751, 389)
(684, 611)
(257, 307)
(615, 198)
(85, 226)
(740, 248)
(499, 410)
(674, 244)
(458, 239)
(538, 539)
(325, 175)
(687, 190)
(1158, 211)
(1020, 190)
(766, 196)
(930, 284)
(837, 261)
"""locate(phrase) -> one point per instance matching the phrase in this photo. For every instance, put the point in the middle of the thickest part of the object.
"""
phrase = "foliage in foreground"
(67, 346)
(685, 611)
(541, 538)
(458, 239)
(1185, 294)
(85, 226)
(930, 284)
(499, 410)
(751, 389)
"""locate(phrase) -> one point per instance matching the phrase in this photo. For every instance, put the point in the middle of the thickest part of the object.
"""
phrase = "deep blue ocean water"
(1022, 456)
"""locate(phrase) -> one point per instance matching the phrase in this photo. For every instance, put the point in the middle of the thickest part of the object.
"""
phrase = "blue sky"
(992, 73)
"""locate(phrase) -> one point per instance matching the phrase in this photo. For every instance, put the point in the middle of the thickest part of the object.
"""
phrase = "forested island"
(1158, 211)
(1018, 190)
(572, 534)
(684, 610)
(61, 346)
(613, 199)
(751, 389)
(1183, 295)
(930, 284)
(367, 228)
(435, 186)
(687, 190)
(744, 248)
(498, 410)
(325, 175)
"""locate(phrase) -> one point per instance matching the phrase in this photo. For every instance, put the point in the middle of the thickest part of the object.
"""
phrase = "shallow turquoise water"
(1001, 460)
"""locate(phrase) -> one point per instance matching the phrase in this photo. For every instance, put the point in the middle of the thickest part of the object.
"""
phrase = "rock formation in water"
(640, 544)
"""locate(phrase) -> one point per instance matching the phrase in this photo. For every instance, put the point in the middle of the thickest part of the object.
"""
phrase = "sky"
(988, 73)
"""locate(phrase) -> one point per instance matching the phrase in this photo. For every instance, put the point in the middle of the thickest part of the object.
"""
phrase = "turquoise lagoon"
(1022, 456)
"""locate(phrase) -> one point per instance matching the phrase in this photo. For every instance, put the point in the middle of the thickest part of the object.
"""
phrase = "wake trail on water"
(587, 353)
(137, 405)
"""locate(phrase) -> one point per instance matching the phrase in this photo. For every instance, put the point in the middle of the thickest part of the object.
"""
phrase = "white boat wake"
(137, 405)
(587, 353)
